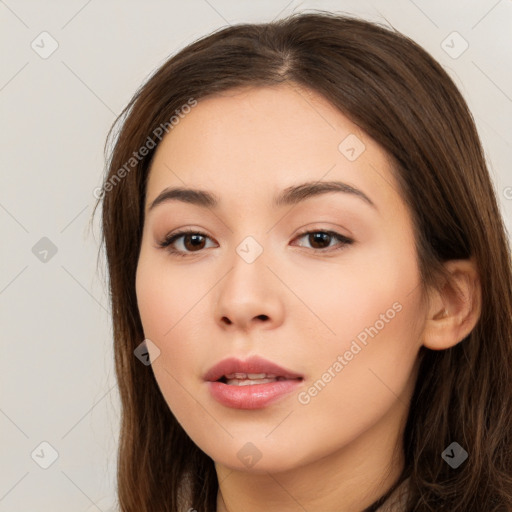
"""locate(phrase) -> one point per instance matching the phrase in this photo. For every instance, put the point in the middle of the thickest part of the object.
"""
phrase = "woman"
(303, 239)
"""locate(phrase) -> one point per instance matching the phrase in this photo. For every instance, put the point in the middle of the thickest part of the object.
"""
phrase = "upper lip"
(254, 364)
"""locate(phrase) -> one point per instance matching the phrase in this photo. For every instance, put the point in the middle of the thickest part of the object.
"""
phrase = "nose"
(249, 297)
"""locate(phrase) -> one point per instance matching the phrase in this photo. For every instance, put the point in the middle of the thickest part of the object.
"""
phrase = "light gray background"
(57, 380)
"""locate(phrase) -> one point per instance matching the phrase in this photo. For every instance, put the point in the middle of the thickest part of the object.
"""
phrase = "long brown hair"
(402, 98)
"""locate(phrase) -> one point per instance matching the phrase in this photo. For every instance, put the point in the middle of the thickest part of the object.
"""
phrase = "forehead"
(255, 142)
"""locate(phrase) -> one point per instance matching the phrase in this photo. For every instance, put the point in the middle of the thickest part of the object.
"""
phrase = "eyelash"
(169, 239)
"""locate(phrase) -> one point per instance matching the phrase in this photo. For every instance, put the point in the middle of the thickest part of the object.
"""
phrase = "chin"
(260, 458)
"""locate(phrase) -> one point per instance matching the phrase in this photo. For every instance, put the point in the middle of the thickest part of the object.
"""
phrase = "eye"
(192, 241)
(321, 240)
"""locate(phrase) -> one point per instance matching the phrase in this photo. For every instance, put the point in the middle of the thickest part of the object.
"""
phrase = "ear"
(454, 308)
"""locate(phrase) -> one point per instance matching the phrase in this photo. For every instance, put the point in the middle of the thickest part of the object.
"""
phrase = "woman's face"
(323, 282)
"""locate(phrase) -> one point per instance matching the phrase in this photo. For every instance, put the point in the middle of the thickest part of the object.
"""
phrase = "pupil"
(196, 241)
(320, 237)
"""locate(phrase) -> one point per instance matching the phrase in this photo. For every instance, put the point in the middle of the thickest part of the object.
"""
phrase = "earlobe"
(454, 308)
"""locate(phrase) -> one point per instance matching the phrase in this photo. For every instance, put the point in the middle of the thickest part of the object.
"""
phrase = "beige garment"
(397, 501)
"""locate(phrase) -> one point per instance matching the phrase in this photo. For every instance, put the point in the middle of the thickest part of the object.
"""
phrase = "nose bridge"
(249, 292)
(248, 265)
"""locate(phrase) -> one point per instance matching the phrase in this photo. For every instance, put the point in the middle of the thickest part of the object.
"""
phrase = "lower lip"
(254, 396)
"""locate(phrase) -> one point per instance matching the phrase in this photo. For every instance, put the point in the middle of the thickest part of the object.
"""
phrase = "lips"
(251, 384)
(253, 368)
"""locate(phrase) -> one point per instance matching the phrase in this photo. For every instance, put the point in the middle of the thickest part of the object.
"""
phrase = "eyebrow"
(289, 196)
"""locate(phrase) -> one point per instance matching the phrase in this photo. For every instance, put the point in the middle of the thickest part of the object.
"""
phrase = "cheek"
(165, 295)
(354, 385)
(378, 325)
(172, 313)
(375, 314)
(362, 293)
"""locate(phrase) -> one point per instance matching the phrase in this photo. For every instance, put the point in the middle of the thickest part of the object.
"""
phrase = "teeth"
(250, 376)
(257, 375)
(249, 382)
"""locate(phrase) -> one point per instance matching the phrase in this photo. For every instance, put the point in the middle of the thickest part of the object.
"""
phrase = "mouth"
(250, 384)
(254, 370)
(249, 379)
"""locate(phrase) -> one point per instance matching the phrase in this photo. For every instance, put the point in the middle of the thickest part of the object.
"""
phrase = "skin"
(341, 450)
